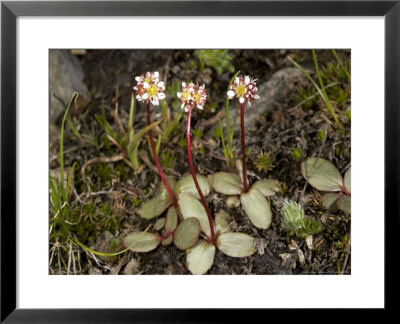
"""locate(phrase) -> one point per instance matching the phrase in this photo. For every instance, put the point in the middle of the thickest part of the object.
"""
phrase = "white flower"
(244, 88)
(150, 88)
(192, 95)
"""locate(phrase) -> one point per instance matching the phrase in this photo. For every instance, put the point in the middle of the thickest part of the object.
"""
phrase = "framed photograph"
(160, 159)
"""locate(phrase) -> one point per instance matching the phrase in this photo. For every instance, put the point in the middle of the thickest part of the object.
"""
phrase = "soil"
(109, 75)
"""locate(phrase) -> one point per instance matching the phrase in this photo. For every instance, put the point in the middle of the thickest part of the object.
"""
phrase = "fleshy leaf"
(233, 202)
(168, 240)
(344, 203)
(187, 233)
(200, 258)
(239, 168)
(186, 185)
(156, 206)
(145, 241)
(171, 221)
(257, 208)
(159, 224)
(191, 207)
(347, 180)
(322, 174)
(267, 187)
(329, 200)
(236, 245)
(222, 222)
(226, 183)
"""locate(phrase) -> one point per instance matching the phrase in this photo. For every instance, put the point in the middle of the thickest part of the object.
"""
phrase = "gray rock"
(66, 77)
(275, 90)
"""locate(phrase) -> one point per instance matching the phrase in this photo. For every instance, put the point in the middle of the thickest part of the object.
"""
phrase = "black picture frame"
(10, 10)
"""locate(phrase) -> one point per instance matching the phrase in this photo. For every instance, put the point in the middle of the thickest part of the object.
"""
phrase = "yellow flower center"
(196, 97)
(241, 90)
(153, 90)
(147, 80)
(186, 95)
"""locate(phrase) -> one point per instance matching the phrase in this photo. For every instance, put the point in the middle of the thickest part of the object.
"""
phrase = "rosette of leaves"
(254, 201)
(200, 257)
(185, 234)
(219, 59)
(324, 176)
(167, 230)
(295, 222)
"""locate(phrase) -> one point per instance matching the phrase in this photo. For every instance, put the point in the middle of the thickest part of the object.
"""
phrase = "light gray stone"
(66, 77)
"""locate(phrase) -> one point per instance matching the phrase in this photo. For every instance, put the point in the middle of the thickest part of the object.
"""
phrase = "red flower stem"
(203, 200)
(245, 184)
(160, 171)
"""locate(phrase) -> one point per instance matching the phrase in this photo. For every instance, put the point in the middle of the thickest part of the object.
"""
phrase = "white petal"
(134, 88)
(186, 108)
(246, 79)
(138, 78)
(156, 74)
(145, 96)
(145, 85)
(200, 107)
(183, 105)
(161, 95)
(230, 94)
(155, 101)
(183, 84)
(237, 80)
(256, 97)
(138, 97)
(160, 84)
(241, 99)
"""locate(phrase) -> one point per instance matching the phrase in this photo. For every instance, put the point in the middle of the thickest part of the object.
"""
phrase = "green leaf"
(233, 202)
(159, 224)
(344, 204)
(145, 242)
(156, 206)
(168, 240)
(171, 220)
(200, 258)
(222, 220)
(187, 233)
(329, 200)
(226, 183)
(191, 207)
(322, 174)
(239, 168)
(347, 180)
(135, 139)
(186, 185)
(267, 187)
(236, 245)
(257, 208)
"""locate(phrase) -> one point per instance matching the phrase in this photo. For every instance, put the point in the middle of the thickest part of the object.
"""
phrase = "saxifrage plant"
(188, 219)
(254, 198)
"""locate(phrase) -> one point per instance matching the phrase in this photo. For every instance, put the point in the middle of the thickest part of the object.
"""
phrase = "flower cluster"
(244, 88)
(149, 88)
(192, 95)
